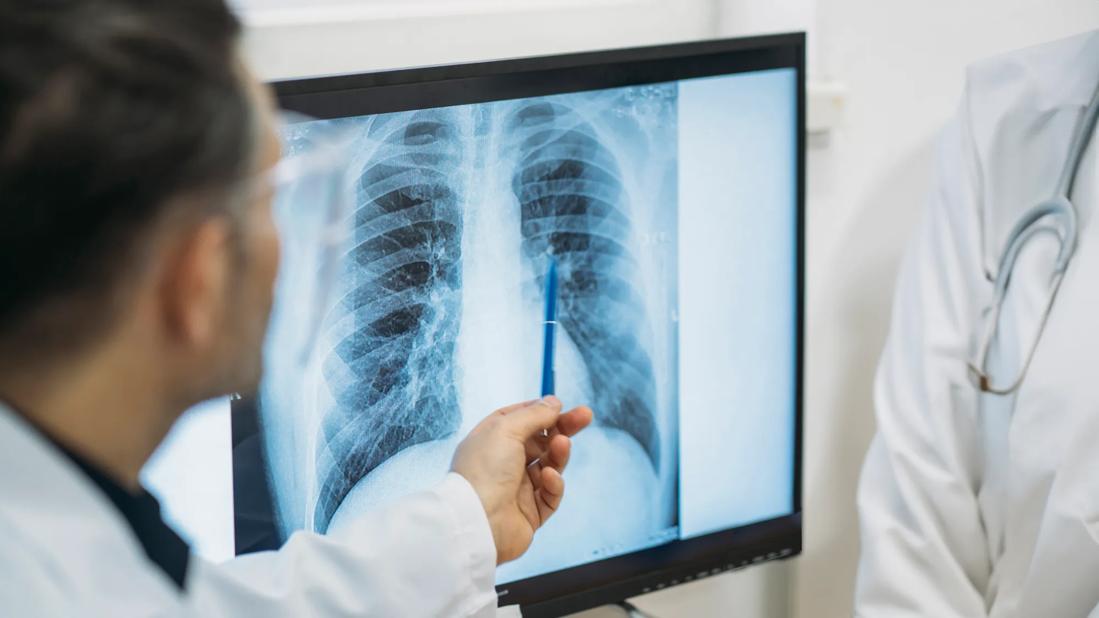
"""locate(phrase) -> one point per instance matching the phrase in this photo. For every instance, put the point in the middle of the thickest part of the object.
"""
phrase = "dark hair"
(109, 109)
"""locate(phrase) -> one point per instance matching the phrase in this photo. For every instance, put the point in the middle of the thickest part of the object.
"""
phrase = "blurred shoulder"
(1038, 79)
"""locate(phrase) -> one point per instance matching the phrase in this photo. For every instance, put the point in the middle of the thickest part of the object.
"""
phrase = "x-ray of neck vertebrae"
(439, 314)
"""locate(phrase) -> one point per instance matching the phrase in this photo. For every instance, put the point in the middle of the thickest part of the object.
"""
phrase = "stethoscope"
(1056, 215)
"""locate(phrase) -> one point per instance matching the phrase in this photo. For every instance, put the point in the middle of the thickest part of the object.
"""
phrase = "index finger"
(528, 420)
(570, 423)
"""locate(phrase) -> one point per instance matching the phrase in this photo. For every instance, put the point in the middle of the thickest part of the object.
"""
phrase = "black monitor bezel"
(620, 577)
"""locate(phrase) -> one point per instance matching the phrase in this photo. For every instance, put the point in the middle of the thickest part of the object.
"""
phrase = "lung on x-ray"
(438, 318)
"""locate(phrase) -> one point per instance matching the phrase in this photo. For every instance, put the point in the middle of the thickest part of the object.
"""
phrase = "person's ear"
(195, 285)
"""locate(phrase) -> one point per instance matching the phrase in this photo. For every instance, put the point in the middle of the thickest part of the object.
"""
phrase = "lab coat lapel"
(1023, 130)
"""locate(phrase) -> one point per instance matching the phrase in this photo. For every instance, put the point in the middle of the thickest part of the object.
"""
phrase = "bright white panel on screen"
(737, 260)
(191, 474)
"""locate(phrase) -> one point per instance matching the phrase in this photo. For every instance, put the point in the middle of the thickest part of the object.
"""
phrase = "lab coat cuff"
(473, 535)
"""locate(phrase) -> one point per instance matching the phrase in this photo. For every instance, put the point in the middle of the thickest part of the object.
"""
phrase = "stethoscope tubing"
(1057, 215)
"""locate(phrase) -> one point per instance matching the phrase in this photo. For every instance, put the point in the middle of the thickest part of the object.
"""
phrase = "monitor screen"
(667, 185)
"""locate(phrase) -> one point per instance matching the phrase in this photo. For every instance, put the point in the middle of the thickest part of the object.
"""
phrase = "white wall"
(384, 34)
(902, 64)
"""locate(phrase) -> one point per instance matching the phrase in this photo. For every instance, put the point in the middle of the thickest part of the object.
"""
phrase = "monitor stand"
(632, 611)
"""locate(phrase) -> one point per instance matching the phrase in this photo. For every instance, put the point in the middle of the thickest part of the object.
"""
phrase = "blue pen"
(549, 326)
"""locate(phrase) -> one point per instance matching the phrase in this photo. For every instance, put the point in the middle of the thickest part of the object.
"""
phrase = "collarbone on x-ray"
(458, 211)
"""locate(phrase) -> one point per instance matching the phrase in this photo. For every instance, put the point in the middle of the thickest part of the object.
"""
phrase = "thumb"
(530, 419)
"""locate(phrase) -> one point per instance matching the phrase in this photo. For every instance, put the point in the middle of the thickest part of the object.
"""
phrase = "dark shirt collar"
(141, 511)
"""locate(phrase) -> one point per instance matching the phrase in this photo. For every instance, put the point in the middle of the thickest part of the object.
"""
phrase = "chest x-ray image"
(438, 318)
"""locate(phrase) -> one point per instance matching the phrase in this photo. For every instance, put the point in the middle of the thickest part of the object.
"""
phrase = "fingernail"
(551, 400)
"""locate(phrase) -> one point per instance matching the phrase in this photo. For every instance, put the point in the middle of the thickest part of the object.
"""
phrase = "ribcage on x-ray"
(573, 205)
(391, 373)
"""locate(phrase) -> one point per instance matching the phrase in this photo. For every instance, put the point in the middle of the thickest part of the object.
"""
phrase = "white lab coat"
(65, 551)
(975, 505)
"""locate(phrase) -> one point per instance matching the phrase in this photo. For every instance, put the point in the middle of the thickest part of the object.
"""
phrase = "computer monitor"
(667, 183)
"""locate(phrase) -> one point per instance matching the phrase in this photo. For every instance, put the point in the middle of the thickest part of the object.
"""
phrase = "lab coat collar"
(55, 510)
(1071, 76)
(1055, 76)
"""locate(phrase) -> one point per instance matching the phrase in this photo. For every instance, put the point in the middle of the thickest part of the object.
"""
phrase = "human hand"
(516, 470)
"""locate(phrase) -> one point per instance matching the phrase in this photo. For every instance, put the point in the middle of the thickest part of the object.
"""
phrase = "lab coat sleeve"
(923, 547)
(430, 554)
